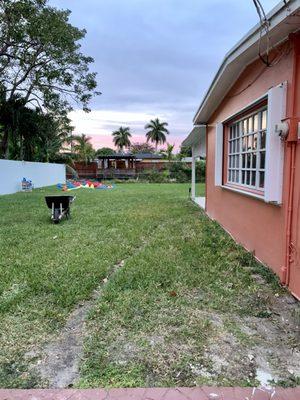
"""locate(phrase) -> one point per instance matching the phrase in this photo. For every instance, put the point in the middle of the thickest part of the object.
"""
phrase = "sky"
(154, 58)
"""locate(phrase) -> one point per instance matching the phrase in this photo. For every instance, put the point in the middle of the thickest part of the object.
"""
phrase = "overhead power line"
(264, 30)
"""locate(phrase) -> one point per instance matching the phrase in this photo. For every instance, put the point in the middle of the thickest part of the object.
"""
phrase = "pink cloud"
(99, 141)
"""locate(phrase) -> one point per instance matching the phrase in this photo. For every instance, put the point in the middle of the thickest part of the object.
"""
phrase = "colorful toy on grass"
(104, 187)
(26, 185)
(73, 185)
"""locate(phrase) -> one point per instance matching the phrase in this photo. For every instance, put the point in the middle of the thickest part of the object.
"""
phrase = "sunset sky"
(154, 58)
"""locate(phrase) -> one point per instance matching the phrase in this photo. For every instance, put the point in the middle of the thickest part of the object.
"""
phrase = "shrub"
(200, 171)
(182, 177)
(155, 176)
(175, 172)
(182, 172)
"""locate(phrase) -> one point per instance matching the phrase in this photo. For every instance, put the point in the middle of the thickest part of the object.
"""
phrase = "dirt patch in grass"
(183, 346)
(256, 351)
(58, 363)
(191, 310)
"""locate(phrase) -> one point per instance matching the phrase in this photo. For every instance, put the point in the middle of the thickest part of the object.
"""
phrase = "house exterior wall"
(258, 226)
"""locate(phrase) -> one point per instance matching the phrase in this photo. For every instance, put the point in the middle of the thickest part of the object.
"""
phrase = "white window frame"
(219, 154)
(241, 169)
(277, 109)
(274, 149)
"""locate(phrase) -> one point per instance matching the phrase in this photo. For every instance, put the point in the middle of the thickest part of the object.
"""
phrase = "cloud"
(154, 57)
(99, 124)
(104, 122)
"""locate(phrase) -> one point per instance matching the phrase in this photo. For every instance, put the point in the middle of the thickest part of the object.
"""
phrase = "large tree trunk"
(4, 143)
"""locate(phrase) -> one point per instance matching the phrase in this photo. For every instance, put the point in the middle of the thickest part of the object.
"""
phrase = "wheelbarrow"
(59, 206)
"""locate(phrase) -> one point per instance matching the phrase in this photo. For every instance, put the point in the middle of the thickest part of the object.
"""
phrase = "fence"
(86, 170)
(41, 174)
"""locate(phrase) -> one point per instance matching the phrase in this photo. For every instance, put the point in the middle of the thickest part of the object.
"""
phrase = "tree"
(34, 135)
(168, 153)
(52, 133)
(156, 132)
(185, 151)
(9, 118)
(141, 148)
(40, 59)
(121, 138)
(83, 148)
(105, 151)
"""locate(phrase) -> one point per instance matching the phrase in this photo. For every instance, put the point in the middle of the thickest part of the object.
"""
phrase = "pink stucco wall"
(258, 226)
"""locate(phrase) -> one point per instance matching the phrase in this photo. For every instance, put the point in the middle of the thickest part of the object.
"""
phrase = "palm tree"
(121, 137)
(156, 132)
(83, 148)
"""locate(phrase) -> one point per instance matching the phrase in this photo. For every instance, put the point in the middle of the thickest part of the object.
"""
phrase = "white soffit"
(245, 52)
(196, 136)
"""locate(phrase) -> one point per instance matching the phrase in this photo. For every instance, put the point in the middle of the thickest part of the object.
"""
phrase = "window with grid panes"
(247, 151)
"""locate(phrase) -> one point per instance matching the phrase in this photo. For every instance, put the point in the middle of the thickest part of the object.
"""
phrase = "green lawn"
(200, 189)
(184, 288)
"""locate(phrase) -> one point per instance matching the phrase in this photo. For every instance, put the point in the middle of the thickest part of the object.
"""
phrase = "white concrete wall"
(41, 174)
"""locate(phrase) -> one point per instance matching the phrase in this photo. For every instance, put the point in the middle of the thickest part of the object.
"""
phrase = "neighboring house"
(156, 161)
(84, 170)
(129, 161)
(250, 120)
(146, 161)
(132, 163)
(116, 161)
(123, 165)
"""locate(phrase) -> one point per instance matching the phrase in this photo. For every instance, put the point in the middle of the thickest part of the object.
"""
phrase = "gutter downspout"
(291, 145)
(285, 277)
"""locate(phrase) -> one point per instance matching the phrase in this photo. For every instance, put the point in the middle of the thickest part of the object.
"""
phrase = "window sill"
(249, 194)
(244, 192)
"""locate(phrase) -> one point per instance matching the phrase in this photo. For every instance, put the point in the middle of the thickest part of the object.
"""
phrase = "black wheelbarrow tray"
(59, 206)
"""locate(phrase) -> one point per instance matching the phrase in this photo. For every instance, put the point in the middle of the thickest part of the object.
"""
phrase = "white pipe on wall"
(193, 173)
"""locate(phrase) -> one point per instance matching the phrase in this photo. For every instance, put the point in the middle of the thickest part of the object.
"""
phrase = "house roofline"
(241, 49)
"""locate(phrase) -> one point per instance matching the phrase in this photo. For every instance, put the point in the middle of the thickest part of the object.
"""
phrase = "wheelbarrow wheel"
(68, 214)
(56, 216)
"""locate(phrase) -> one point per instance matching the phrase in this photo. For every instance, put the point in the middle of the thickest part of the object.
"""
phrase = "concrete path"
(201, 393)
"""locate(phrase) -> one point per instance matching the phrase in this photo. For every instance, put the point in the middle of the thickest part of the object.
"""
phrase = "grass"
(199, 189)
(154, 323)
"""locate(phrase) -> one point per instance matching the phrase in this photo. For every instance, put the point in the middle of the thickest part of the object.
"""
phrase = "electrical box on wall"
(282, 129)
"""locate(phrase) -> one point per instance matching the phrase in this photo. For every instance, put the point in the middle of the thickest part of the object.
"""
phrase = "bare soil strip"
(59, 365)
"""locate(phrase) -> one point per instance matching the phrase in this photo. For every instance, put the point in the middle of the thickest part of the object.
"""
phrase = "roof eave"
(193, 138)
(243, 48)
